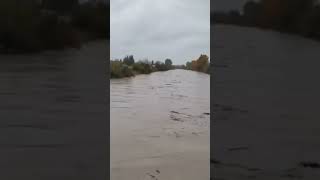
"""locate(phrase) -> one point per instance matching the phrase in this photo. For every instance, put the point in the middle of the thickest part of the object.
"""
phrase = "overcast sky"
(160, 29)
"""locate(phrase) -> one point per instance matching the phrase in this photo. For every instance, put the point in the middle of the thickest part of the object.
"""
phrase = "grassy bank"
(33, 26)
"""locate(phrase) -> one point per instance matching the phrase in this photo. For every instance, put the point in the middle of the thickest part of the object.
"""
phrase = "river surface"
(53, 114)
(160, 126)
(266, 95)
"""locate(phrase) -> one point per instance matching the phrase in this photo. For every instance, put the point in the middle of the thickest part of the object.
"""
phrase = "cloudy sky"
(160, 29)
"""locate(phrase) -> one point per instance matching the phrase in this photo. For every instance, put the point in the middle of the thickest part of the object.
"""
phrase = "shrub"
(142, 67)
(129, 60)
(201, 64)
(119, 70)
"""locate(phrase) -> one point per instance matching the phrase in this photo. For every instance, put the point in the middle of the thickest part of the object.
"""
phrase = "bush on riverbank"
(200, 65)
(127, 67)
(119, 70)
(160, 66)
(28, 26)
(142, 67)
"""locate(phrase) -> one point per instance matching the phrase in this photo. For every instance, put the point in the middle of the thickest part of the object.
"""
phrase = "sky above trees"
(160, 29)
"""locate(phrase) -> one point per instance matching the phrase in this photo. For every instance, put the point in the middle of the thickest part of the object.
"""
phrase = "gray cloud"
(160, 29)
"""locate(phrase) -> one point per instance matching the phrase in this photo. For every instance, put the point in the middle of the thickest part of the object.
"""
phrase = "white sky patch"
(160, 29)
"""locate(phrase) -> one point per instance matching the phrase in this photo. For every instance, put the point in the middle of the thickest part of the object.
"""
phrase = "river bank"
(163, 119)
(129, 68)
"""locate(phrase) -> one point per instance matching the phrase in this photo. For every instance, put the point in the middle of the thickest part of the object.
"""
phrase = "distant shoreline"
(300, 18)
(137, 73)
(315, 38)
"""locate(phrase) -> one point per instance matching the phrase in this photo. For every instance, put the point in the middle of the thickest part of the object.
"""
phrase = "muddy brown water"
(160, 122)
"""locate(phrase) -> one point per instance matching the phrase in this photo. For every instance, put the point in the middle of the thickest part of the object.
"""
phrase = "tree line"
(201, 64)
(36, 25)
(294, 16)
(127, 66)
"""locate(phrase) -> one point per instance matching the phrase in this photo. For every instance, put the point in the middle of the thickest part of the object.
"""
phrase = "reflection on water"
(47, 101)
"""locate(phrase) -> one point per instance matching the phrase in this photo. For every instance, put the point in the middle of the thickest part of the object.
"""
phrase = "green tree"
(129, 60)
(168, 63)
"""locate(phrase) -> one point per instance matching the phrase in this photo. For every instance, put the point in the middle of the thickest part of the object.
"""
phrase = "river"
(266, 96)
(53, 113)
(160, 126)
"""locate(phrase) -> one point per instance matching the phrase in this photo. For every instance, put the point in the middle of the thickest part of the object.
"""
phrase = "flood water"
(266, 122)
(53, 114)
(160, 126)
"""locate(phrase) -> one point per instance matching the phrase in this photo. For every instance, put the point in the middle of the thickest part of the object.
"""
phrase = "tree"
(168, 63)
(203, 63)
(194, 65)
(129, 60)
(161, 66)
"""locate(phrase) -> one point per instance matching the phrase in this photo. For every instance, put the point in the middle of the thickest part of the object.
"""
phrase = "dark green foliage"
(129, 60)
(142, 67)
(126, 68)
(168, 62)
(160, 66)
(119, 70)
